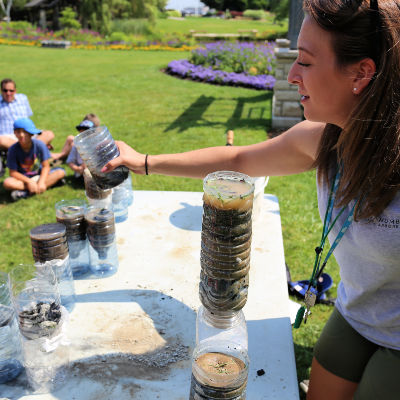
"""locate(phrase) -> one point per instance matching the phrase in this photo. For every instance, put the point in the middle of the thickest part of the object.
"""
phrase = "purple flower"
(184, 69)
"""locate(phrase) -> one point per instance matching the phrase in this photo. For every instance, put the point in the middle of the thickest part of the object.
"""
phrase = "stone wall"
(286, 109)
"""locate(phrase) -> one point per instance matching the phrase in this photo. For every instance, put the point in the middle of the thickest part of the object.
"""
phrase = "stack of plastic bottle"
(50, 248)
(220, 360)
(102, 241)
(71, 213)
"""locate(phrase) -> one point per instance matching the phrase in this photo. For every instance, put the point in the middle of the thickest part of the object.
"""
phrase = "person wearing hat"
(13, 106)
(28, 162)
(74, 160)
(89, 121)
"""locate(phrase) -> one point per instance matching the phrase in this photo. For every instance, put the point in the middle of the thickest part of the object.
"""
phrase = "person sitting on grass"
(74, 160)
(28, 162)
(68, 147)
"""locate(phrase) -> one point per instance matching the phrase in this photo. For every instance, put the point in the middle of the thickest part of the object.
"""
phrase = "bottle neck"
(222, 319)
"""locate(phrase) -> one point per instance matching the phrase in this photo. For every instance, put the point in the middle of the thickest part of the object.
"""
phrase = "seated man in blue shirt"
(28, 162)
(13, 106)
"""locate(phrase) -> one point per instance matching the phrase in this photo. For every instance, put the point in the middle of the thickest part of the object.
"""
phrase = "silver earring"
(354, 89)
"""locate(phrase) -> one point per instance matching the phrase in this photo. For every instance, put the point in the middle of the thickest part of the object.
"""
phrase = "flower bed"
(23, 34)
(244, 64)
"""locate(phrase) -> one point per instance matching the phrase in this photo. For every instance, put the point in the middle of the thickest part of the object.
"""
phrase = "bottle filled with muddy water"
(96, 148)
(102, 241)
(219, 371)
(71, 213)
(226, 240)
(50, 249)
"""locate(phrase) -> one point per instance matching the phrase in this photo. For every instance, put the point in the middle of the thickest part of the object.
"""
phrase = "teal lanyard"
(318, 268)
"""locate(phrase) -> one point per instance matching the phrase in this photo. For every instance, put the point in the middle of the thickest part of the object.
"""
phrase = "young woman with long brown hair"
(347, 73)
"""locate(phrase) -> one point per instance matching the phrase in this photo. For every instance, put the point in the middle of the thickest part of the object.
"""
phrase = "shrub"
(173, 13)
(20, 25)
(139, 26)
(118, 37)
(254, 14)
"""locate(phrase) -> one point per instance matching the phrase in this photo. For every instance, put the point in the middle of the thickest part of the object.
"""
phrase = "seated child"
(28, 163)
(74, 160)
(69, 143)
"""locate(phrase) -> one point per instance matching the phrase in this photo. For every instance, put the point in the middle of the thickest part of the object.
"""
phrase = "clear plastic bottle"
(42, 322)
(10, 345)
(120, 201)
(97, 147)
(71, 213)
(129, 189)
(226, 240)
(227, 326)
(102, 241)
(50, 249)
(219, 371)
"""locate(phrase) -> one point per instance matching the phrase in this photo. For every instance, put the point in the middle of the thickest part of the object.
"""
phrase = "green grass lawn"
(154, 113)
(219, 25)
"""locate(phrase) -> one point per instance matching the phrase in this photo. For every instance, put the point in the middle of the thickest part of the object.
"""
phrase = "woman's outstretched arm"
(291, 152)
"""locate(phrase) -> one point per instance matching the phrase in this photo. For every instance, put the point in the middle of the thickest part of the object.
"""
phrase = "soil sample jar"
(219, 371)
(97, 147)
(226, 240)
(10, 345)
(102, 241)
(50, 249)
(42, 323)
(71, 213)
(228, 326)
(120, 202)
(96, 197)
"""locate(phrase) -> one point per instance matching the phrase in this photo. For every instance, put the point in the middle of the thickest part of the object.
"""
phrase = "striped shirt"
(10, 112)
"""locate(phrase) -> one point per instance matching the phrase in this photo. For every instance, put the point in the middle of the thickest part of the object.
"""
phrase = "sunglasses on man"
(8, 90)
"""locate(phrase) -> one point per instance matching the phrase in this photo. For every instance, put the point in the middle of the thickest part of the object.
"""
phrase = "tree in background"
(280, 8)
(68, 19)
(97, 14)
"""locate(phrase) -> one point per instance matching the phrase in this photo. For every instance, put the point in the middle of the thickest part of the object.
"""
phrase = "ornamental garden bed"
(245, 64)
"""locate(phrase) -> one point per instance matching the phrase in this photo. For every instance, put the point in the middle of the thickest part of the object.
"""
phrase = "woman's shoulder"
(306, 136)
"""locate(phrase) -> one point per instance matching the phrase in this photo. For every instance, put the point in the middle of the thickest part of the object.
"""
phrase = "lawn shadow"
(248, 112)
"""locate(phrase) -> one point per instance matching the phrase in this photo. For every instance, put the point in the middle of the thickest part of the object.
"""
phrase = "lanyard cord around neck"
(317, 270)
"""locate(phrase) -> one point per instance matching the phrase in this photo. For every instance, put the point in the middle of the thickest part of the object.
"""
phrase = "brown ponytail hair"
(368, 146)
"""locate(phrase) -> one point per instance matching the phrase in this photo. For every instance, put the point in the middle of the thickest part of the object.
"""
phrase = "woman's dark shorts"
(344, 352)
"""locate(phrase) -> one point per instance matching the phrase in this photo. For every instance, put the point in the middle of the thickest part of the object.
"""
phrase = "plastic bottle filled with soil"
(97, 147)
(219, 371)
(71, 213)
(102, 241)
(50, 249)
(10, 341)
(42, 322)
(96, 197)
(224, 326)
(226, 240)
